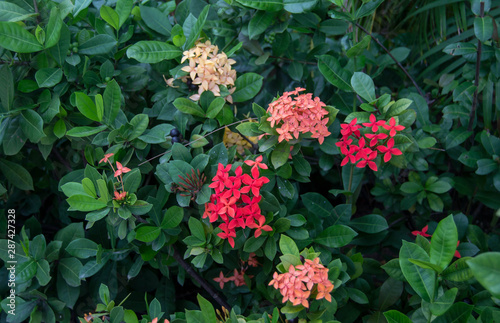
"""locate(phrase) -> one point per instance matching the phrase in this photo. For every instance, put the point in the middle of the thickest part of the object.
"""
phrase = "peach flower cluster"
(208, 69)
(298, 115)
(303, 280)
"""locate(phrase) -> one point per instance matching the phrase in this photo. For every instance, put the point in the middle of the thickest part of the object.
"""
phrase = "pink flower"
(374, 124)
(389, 151)
(221, 280)
(121, 169)
(423, 233)
(106, 158)
(392, 127)
(120, 196)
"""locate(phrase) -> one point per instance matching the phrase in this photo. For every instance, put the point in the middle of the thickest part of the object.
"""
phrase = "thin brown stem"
(14, 62)
(472, 114)
(35, 5)
(401, 67)
(187, 267)
(293, 60)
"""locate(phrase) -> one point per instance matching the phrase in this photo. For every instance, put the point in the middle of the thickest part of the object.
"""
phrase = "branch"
(476, 81)
(401, 67)
(292, 60)
(13, 62)
(199, 279)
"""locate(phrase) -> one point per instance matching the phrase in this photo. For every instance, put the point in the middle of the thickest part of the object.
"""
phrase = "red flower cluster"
(368, 145)
(298, 115)
(298, 283)
(236, 200)
(424, 233)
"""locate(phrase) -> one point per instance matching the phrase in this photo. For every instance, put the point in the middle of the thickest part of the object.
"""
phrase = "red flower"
(423, 233)
(457, 254)
(392, 127)
(260, 226)
(106, 158)
(389, 151)
(374, 124)
(369, 161)
(121, 169)
(350, 128)
(375, 138)
(256, 163)
(221, 280)
(120, 196)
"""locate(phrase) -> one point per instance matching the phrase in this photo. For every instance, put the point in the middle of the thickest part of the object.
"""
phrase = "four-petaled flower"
(389, 151)
(392, 127)
(260, 226)
(121, 169)
(374, 124)
(422, 233)
(106, 158)
(222, 280)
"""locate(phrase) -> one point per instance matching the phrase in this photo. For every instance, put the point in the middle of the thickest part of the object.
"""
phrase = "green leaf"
(16, 174)
(43, 272)
(80, 5)
(458, 271)
(288, 246)
(280, 154)
(25, 271)
(486, 166)
(54, 26)
(172, 217)
(215, 107)
(393, 269)
(390, 292)
(87, 107)
(486, 269)
(394, 316)
(252, 244)
(444, 242)
(156, 20)
(207, 309)
(483, 28)
(398, 108)
(82, 248)
(147, 233)
(439, 187)
(259, 23)
(140, 207)
(299, 6)
(85, 203)
(139, 124)
(358, 49)
(197, 28)
(336, 236)
(444, 302)
(132, 181)
(112, 101)
(196, 228)
(32, 125)
(12, 12)
(330, 67)
(317, 204)
(7, 88)
(187, 106)
(123, 9)
(267, 5)
(458, 313)
(464, 93)
(247, 87)
(371, 223)
(411, 187)
(490, 143)
(15, 38)
(80, 132)
(435, 202)
(249, 129)
(357, 296)
(97, 45)
(60, 128)
(70, 268)
(110, 16)
(421, 280)
(426, 265)
(48, 77)
(363, 85)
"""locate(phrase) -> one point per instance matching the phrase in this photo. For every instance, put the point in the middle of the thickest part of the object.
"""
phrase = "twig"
(61, 159)
(2, 61)
(401, 67)
(293, 60)
(200, 280)
(476, 82)
(35, 5)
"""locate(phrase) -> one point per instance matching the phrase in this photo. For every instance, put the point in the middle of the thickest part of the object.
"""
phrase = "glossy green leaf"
(280, 154)
(371, 223)
(48, 77)
(156, 20)
(16, 174)
(85, 203)
(54, 27)
(32, 125)
(25, 271)
(112, 101)
(15, 38)
(197, 28)
(330, 67)
(43, 272)
(187, 106)
(394, 316)
(80, 132)
(486, 269)
(70, 268)
(247, 87)
(259, 23)
(80, 5)
(109, 15)
(97, 45)
(7, 88)
(267, 5)
(421, 280)
(299, 6)
(288, 246)
(82, 248)
(12, 12)
(172, 217)
(87, 107)
(336, 236)
(444, 302)
(444, 242)
(147, 233)
(207, 309)
(483, 28)
(139, 124)
(363, 85)
(458, 313)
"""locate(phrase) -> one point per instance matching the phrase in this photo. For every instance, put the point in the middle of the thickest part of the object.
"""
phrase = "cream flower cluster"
(298, 283)
(208, 69)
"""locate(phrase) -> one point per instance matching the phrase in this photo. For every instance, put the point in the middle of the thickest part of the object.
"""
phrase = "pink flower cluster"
(238, 276)
(303, 280)
(236, 200)
(368, 145)
(297, 115)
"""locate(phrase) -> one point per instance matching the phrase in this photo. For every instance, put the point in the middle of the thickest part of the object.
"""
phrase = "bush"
(249, 161)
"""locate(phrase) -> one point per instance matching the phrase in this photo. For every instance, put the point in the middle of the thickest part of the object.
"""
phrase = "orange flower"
(155, 320)
(121, 169)
(106, 158)
(120, 196)
(221, 280)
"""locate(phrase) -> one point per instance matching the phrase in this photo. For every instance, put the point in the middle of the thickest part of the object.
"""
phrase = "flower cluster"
(368, 145)
(208, 69)
(238, 276)
(235, 139)
(303, 280)
(236, 200)
(424, 233)
(298, 115)
(119, 171)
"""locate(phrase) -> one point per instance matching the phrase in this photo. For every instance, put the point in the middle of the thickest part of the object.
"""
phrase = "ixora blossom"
(302, 114)
(424, 233)
(238, 276)
(155, 320)
(235, 139)
(236, 200)
(363, 147)
(303, 281)
(208, 69)
(118, 172)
